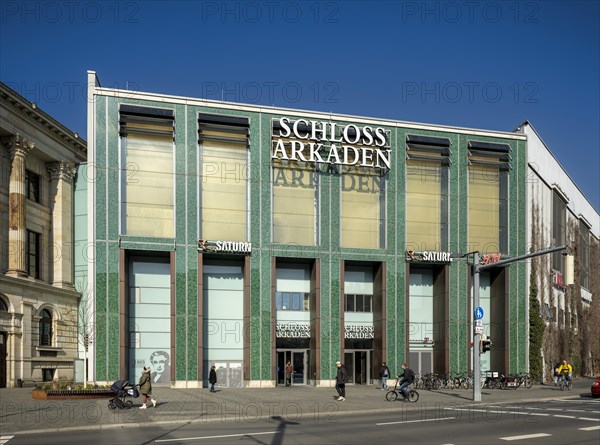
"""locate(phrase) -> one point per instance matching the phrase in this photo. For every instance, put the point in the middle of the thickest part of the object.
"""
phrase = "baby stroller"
(122, 390)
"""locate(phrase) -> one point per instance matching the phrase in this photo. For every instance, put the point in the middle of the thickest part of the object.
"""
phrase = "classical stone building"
(38, 299)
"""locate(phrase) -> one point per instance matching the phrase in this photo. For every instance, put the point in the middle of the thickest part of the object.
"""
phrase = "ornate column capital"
(64, 170)
(18, 146)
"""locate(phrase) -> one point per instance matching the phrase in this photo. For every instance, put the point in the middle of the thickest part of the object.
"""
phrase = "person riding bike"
(565, 370)
(408, 377)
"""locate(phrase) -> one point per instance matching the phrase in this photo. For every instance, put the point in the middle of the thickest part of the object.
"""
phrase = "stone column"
(61, 187)
(18, 148)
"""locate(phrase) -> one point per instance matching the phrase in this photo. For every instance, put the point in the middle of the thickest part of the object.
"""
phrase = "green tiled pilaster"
(192, 312)
(112, 172)
(181, 315)
(114, 310)
(328, 369)
(101, 311)
(260, 132)
(100, 164)
(260, 290)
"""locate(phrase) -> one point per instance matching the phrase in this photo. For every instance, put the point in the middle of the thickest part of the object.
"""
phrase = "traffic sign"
(479, 323)
(478, 329)
(478, 313)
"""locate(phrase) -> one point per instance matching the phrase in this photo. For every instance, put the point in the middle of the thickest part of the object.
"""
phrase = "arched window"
(46, 328)
(3, 305)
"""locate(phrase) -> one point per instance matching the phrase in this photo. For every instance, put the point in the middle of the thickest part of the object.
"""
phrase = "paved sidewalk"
(19, 413)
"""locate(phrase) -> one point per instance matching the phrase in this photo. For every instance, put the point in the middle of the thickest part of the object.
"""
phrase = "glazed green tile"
(113, 368)
(100, 350)
(113, 170)
(192, 280)
(333, 183)
(101, 169)
(181, 173)
(266, 327)
(180, 347)
(190, 208)
(255, 310)
(114, 325)
(325, 312)
(192, 312)
(101, 311)
(192, 347)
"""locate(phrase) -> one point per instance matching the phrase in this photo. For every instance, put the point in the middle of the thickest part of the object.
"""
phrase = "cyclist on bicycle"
(408, 377)
(565, 370)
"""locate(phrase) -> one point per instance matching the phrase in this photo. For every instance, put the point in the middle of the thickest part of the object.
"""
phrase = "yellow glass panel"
(423, 206)
(294, 210)
(223, 182)
(484, 209)
(148, 187)
(361, 209)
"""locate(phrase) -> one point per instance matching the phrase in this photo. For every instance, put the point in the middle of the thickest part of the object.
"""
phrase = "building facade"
(560, 214)
(247, 236)
(38, 299)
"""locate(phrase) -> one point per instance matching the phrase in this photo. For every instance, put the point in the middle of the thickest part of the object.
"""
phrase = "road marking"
(585, 402)
(526, 407)
(4, 439)
(415, 421)
(590, 428)
(521, 413)
(526, 436)
(218, 437)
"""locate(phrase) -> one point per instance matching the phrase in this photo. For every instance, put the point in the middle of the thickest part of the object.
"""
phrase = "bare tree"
(84, 324)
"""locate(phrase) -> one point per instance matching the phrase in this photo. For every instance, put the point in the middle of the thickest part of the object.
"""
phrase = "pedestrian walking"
(384, 373)
(146, 388)
(289, 371)
(212, 378)
(340, 381)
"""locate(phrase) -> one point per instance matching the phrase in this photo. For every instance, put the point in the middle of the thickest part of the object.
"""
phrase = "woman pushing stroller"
(146, 387)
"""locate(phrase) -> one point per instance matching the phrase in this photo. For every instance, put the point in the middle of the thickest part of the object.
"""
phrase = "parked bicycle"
(393, 394)
(524, 380)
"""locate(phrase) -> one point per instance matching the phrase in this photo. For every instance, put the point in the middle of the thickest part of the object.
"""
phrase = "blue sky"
(476, 64)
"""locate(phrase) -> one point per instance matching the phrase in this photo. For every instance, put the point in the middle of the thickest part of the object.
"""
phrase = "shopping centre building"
(246, 236)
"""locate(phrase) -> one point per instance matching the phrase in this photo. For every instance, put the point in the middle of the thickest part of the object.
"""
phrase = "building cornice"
(35, 286)
(29, 112)
(169, 99)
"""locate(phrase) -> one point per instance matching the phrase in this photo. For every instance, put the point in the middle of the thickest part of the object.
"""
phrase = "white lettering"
(347, 136)
(297, 149)
(381, 139)
(368, 135)
(279, 147)
(297, 133)
(284, 125)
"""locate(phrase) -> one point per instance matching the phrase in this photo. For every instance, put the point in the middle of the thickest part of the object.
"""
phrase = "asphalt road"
(574, 421)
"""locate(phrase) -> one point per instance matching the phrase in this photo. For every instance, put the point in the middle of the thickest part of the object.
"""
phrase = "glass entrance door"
(299, 360)
(358, 366)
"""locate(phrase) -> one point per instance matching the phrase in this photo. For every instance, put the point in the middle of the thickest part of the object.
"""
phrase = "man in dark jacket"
(340, 381)
(407, 378)
(212, 378)
(384, 374)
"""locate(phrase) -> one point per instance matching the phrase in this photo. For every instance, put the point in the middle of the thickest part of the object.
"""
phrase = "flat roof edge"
(128, 94)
